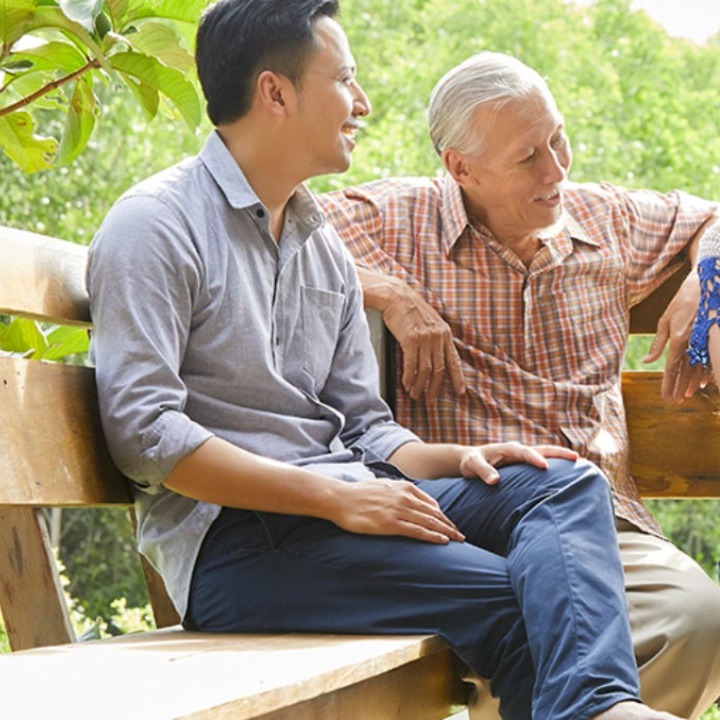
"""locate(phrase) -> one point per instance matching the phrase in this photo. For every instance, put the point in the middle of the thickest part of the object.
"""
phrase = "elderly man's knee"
(681, 608)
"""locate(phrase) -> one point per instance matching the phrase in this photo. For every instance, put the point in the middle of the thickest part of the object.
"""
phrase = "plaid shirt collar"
(455, 224)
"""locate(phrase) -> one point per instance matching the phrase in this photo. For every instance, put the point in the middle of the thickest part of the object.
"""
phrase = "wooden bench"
(52, 453)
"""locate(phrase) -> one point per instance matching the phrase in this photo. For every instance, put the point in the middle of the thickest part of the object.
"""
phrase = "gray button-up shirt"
(203, 325)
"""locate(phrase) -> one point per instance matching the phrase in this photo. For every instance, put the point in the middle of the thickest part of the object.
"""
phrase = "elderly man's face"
(514, 184)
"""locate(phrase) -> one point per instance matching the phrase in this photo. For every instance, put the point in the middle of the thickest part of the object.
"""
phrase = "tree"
(55, 56)
(60, 63)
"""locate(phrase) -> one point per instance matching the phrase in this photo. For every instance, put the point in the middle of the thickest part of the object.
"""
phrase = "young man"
(238, 390)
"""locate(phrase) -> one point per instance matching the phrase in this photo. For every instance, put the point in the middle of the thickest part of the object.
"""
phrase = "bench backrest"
(52, 452)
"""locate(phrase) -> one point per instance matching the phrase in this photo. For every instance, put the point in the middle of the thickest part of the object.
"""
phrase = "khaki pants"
(675, 620)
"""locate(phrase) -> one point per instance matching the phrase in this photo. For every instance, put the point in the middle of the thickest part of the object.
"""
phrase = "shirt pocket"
(321, 315)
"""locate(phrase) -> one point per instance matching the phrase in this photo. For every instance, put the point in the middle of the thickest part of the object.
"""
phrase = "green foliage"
(640, 106)
(39, 342)
(693, 525)
(97, 548)
(113, 618)
(55, 56)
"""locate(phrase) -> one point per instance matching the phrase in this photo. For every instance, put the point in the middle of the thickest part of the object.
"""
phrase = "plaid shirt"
(542, 347)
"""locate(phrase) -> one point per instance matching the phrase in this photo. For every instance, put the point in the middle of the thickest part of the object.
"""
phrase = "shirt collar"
(232, 182)
(455, 222)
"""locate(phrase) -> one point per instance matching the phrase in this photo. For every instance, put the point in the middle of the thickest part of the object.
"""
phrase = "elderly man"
(508, 289)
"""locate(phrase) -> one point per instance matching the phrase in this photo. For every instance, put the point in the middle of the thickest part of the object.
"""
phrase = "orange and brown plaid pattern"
(542, 346)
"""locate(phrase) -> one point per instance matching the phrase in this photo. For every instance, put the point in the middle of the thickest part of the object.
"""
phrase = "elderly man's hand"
(680, 380)
(427, 344)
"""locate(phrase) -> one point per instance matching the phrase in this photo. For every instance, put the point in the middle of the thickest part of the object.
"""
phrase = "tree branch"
(45, 89)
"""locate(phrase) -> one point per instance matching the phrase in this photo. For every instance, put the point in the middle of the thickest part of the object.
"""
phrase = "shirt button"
(260, 213)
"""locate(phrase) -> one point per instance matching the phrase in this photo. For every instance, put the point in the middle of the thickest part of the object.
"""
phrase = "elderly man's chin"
(545, 233)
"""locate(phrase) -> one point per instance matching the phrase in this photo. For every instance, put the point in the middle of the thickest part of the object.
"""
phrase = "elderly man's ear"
(456, 164)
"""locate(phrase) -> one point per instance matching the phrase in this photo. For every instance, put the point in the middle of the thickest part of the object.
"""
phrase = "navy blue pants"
(533, 599)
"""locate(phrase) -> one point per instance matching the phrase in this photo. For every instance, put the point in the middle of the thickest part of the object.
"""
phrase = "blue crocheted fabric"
(708, 312)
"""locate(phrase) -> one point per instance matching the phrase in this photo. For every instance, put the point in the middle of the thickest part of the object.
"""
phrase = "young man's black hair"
(238, 39)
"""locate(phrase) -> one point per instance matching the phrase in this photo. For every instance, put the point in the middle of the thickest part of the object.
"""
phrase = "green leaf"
(82, 11)
(29, 151)
(23, 336)
(118, 11)
(180, 10)
(55, 55)
(15, 18)
(146, 95)
(80, 122)
(53, 18)
(168, 81)
(161, 41)
(63, 341)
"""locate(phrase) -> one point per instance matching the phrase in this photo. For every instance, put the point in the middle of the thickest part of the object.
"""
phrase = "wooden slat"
(674, 449)
(42, 277)
(52, 451)
(390, 696)
(31, 599)
(198, 676)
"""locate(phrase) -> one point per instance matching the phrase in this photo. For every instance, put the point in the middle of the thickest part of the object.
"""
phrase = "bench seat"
(170, 674)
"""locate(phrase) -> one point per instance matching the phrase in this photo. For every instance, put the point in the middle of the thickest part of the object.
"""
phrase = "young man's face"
(329, 101)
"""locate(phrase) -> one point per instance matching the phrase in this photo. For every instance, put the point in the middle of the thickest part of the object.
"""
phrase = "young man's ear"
(273, 91)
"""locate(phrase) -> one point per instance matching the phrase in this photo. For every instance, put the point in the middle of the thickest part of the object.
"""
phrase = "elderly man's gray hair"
(486, 78)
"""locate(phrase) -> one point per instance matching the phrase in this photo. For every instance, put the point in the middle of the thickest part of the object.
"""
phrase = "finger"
(682, 383)
(419, 532)
(436, 381)
(557, 451)
(424, 371)
(673, 384)
(453, 365)
(696, 381)
(658, 342)
(435, 525)
(410, 361)
(476, 465)
(532, 456)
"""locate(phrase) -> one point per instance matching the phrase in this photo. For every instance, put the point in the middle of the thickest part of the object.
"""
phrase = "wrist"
(380, 291)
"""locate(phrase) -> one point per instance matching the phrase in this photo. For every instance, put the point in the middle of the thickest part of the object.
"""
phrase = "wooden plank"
(237, 676)
(673, 448)
(42, 277)
(52, 451)
(644, 316)
(31, 599)
(422, 690)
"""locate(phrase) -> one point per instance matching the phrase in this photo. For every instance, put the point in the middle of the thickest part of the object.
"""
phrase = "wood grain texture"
(32, 601)
(674, 449)
(204, 677)
(52, 450)
(42, 277)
